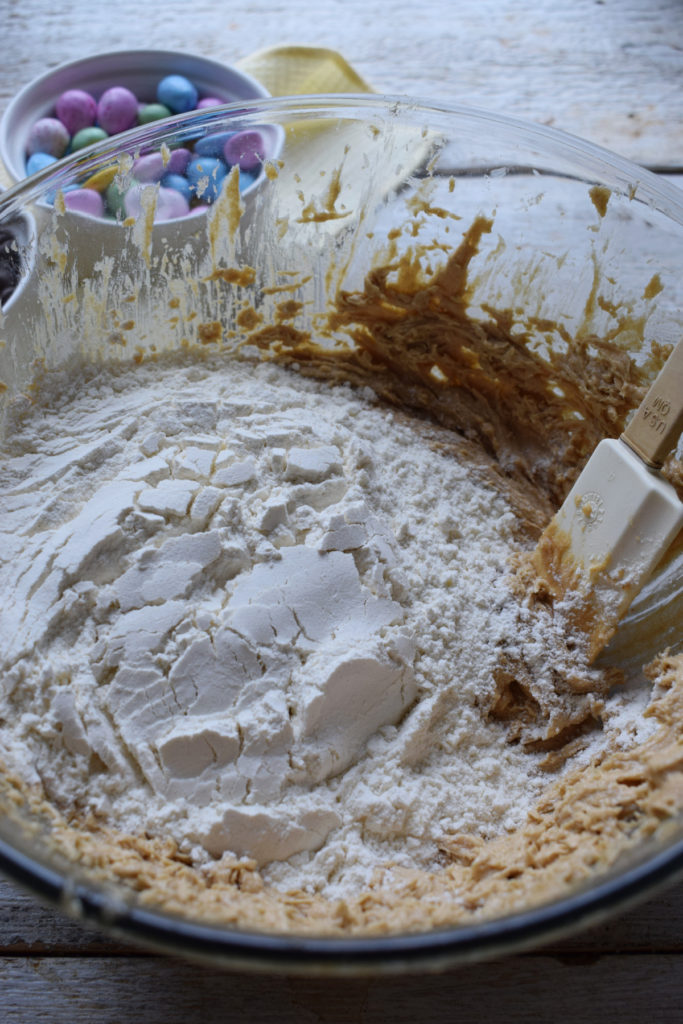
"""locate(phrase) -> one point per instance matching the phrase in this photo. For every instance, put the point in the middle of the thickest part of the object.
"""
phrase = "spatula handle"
(657, 423)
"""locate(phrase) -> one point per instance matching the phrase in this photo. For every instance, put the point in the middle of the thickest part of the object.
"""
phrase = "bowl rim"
(586, 156)
(429, 951)
(436, 948)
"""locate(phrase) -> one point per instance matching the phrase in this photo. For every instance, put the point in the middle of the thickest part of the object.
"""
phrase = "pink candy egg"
(169, 203)
(117, 110)
(247, 148)
(76, 109)
(84, 200)
(209, 101)
(149, 167)
(48, 135)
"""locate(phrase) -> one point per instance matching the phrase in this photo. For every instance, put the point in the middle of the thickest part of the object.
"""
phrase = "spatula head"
(614, 526)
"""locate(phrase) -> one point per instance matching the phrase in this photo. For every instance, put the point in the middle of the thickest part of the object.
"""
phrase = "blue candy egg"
(52, 195)
(177, 93)
(179, 183)
(247, 178)
(205, 175)
(212, 145)
(37, 161)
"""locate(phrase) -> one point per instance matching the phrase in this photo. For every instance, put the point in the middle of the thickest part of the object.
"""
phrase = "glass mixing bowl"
(579, 242)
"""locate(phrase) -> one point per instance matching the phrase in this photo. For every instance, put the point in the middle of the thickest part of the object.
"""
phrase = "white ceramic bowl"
(94, 237)
(138, 70)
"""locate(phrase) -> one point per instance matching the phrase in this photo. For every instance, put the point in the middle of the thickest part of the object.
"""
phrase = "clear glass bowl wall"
(346, 180)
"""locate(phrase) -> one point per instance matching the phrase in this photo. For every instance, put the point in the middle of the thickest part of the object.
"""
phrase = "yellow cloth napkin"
(302, 70)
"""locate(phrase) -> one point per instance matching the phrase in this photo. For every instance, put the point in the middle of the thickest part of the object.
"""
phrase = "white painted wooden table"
(609, 70)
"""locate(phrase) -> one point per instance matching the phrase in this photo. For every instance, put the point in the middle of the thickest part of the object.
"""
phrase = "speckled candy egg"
(180, 184)
(209, 101)
(76, 109)
(213, 145)
(205, 175)
(247, 149)
(178, 161)
(169, 203)
(38, 161)
(150, 167)
(117, 110)
(84, 200)
(87, 137)
(177, 93)
(150, 112)
(48, 135)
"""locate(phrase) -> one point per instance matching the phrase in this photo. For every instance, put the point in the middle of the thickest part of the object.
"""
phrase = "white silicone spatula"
(620, 516)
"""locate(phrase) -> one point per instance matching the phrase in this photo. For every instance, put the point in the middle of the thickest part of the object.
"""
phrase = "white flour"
(260, 615)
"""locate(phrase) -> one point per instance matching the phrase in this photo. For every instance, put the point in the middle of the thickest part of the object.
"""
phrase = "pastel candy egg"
(179, 183)
(205, 175)
(47, 135)
(209, 101)
(177, 93)
(101, 179)
(150, 112)
(178, 161)
(213, 145)
(84, 200)
(86, 137)
(247, 178)
(150, 167)
(52, 194)
(169, 204)
(117, 110)
(115, 197)
(247, 149)
(76, 109)
(37, 161)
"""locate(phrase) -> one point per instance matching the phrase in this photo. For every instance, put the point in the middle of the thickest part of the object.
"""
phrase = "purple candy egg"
(84, 200)
(117, 110)
(209, 101)
(178, 161)
(247, 149)
(76, 109)
(149, 168)
(169, 203)
(48, 135)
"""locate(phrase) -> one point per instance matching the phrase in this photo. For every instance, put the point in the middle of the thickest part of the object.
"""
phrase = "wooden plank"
(27, 926)
(541, 990)
(611, 72)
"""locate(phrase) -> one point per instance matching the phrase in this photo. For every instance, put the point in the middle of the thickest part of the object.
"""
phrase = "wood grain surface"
(608, 70)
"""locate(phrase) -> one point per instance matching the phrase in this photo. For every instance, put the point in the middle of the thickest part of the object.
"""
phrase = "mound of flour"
(258, 614)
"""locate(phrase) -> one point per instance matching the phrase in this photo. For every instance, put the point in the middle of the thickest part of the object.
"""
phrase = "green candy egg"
(86, 137)
(152, 112)
(115, 200)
